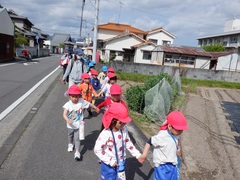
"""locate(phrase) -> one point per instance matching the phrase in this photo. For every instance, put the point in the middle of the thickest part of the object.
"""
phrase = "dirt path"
(209, 149)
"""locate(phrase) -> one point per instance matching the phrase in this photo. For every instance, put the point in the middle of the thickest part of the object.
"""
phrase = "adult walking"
(75, 68)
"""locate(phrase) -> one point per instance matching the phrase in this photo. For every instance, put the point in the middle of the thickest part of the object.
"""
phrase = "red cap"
(111, 70)
(85, 76)
(115, 89)
(177, 120)
(111, 75)
(117, 111)
(94, 72)
(74, 89)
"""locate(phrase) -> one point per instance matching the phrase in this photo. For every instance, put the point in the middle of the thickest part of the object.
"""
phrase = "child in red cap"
(115, 96)
(73, 115)
(106, 89)
(87, 90)
(111, 145)
(166, 147)
(106, 79)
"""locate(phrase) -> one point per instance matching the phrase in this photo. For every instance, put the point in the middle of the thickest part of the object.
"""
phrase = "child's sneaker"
(77, 156)
(70, 147)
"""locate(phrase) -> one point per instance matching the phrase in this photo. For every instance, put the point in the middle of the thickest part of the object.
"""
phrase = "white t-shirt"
(164, 148)
(105, 150)
(75, 112)
(106, 89)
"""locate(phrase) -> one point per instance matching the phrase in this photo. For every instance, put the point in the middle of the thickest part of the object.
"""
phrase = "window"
(217, 41)
(119, 53)
(233, 39)
(166, 43)
(147, 55)
(155, 41)
(224, 43)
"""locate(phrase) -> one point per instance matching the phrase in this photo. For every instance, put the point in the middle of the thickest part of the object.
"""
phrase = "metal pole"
(80, 34)
(95, 31)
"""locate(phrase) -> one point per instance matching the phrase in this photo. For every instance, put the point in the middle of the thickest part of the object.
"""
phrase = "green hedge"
(135, 95)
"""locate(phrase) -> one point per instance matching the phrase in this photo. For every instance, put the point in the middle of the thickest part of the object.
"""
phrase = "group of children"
(113, 141)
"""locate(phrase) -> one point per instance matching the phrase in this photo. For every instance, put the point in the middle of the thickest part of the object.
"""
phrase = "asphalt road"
(36, 146)
(18, 77)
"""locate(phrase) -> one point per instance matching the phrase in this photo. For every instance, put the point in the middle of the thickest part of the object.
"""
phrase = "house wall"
(229, 63)
(138, 58)
(190, 73)
(6, 47)
(124, 42)
(106, 34)
(160, 36)
(202, 63)
(18, 23)
(118, 45)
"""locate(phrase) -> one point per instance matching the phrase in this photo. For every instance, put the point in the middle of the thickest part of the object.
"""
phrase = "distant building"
(230, 37)
(126, 43)
(54, 42)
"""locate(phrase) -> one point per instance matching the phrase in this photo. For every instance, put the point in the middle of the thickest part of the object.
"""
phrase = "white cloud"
(187, 19)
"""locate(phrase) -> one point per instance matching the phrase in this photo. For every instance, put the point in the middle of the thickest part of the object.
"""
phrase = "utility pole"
(95, 30)
(83, 4)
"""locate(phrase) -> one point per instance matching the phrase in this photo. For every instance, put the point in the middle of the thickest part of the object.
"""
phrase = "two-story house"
(126, 43)
(230, 37)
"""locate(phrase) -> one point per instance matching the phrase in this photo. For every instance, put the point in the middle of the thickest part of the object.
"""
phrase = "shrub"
(135, 98)
(135, 95)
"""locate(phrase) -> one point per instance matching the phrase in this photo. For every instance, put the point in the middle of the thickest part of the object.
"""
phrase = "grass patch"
(149, 128)
(210, 83)
(179, 102)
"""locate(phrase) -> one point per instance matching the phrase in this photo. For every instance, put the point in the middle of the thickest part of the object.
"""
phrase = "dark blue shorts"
(166, 171)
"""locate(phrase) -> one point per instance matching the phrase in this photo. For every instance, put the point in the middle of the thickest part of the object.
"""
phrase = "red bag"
(60, 62)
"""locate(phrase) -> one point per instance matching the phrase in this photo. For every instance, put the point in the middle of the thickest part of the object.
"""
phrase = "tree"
(214, 48)
(61, 45)
(20, 40)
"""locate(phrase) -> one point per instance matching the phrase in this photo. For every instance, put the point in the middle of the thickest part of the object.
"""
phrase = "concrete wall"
(190, 73)
(33, 51)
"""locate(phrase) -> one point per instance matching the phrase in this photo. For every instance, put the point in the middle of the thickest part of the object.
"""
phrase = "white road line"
(2, 65)
(17, 102)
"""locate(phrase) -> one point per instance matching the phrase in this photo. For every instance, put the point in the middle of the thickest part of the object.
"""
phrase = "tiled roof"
(160, 30)
(154, 30)
(195, 51)
(182, 50)
(59, 38)
(124, 35)
(216, 55)
(121, 28)
(148, 42)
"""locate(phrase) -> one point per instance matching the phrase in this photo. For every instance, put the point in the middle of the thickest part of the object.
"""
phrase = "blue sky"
(187, 20)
